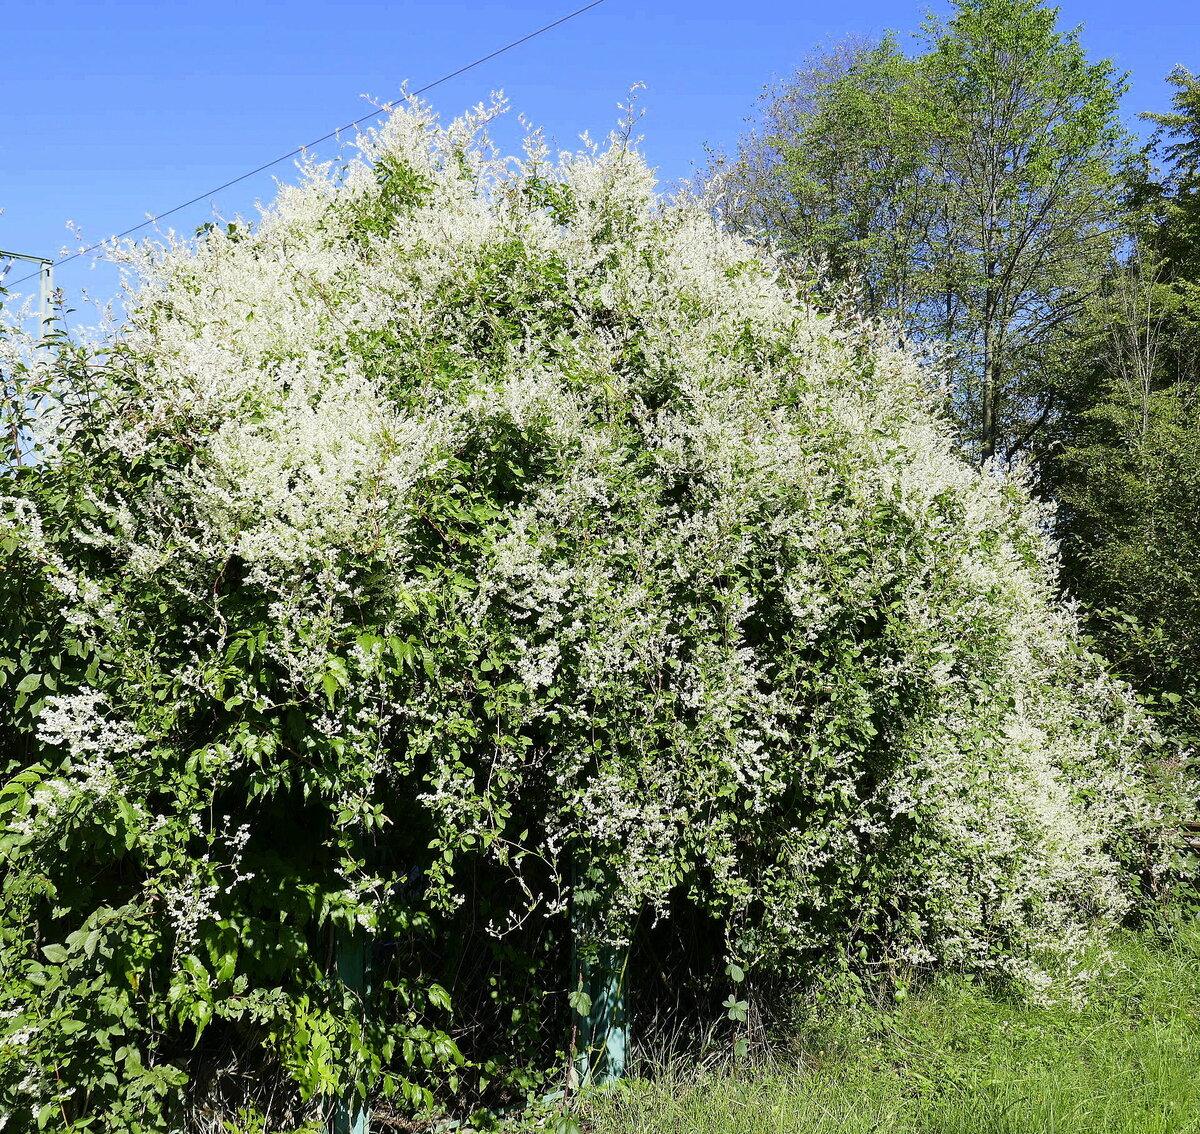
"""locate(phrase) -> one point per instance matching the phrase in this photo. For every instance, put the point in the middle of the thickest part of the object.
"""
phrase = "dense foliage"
(982, 198)
(971, 189)
(478, 553)
(1127, 466)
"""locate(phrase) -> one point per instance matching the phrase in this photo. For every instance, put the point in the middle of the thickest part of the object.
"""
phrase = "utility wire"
(324, 138)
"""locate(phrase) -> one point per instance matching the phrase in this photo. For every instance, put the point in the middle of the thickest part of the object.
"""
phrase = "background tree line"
(981, 195)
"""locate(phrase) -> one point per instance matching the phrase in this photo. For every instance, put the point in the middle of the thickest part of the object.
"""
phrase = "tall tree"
(1029, 156)
(971, 189)
(1177, 193)
(836, 173)
(1127, 471)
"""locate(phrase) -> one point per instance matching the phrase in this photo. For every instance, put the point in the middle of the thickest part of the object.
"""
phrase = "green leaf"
(580, 1002)
(331, 685)
(738, 1010)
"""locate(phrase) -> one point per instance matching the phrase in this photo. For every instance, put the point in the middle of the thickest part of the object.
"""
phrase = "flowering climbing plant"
(478, 543)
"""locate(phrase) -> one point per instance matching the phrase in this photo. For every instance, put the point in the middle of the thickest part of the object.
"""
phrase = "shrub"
(476, 555)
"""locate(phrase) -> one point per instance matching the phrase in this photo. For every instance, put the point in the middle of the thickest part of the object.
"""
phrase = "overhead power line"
(324, 138)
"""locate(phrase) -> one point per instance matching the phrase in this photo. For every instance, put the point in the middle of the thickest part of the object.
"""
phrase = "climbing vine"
(476, 553)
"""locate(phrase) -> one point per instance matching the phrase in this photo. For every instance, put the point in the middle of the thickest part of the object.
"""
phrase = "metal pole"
(45, 284)
(604, 1029)
(350, 1115)
(46, 295)
(600, 973)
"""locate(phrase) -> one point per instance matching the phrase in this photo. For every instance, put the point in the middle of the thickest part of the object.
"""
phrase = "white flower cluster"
(756, 633)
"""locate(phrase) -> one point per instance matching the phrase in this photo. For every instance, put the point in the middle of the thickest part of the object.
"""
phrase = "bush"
(476, 557)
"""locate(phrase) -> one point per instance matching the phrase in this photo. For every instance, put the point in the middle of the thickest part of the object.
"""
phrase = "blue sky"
(118, 108)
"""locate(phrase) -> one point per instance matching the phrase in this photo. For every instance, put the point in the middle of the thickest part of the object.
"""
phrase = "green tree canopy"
(1127, 467)
(971, 189)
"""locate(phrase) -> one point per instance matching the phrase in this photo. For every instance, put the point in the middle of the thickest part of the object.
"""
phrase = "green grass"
(956, 1060)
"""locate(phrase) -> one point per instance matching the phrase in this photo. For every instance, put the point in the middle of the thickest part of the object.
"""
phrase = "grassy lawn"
(956, 1060)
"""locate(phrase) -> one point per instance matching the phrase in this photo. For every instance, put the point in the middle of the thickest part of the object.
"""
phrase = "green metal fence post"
(602, 1045)
(604, 1028)
(350, 1114)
